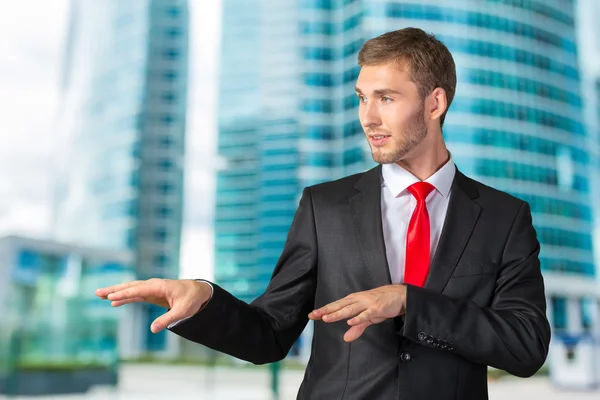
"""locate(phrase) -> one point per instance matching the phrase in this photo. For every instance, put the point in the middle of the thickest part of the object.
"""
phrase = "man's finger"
(143, 290)
(331, 307)
(347, 312)
(361, 318)
(122, 302)
(104, 292)
(166, 319)
(355, 332)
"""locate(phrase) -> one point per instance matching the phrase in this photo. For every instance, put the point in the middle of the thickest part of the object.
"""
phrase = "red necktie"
(418, 245)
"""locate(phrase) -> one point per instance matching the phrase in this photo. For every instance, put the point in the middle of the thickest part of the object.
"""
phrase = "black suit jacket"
(482, 304)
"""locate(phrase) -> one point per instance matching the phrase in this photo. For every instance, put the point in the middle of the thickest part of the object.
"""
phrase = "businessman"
(417, 277)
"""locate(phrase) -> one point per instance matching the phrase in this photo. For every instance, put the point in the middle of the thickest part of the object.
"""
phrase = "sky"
(28, 99)
(32, 34)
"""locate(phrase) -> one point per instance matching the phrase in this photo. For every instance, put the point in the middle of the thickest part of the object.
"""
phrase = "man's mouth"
(378, 137)
(378, 140)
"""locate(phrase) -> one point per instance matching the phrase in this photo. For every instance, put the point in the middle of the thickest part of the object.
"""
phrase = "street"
(154, 382)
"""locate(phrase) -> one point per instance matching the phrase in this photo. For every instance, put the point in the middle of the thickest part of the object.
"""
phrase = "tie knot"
(421, 190)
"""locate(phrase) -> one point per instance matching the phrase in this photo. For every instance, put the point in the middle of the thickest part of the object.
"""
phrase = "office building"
(122, 126)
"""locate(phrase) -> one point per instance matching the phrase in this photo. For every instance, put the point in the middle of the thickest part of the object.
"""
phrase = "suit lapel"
(460, 220)
(366, 213)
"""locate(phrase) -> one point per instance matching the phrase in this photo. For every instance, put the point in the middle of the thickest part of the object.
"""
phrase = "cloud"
(31, 34)
(197, 253)
(36, 214)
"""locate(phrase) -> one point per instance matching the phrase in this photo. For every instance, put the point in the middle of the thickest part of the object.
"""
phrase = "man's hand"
(184, 298)
(364, 309)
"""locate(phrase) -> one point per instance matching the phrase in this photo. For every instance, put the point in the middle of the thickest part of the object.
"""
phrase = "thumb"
(160, 323)
(356, 331)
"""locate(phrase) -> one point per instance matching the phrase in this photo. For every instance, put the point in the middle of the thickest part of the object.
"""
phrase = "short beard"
(415, 133)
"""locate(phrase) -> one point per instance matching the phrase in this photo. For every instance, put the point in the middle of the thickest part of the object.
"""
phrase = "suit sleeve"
(511, 334)
(264, 330)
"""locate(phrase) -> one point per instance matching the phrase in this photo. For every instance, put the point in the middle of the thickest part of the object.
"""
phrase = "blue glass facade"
(332, 141)
(280, 127)
(236, 214)
(123, 125)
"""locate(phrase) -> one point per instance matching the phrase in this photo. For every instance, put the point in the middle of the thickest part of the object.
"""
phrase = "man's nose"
(370, 116)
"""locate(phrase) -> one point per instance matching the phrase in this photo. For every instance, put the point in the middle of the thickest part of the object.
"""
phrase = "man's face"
(391, 112)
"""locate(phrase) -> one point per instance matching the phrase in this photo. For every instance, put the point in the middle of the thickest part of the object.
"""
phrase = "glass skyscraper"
(589, 59)
(257, 187)
(515, 123)
(123, 124)
(332, 143)
(283, 124)
(237, 201)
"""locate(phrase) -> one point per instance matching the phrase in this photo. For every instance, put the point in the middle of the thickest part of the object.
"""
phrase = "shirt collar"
(397, 179)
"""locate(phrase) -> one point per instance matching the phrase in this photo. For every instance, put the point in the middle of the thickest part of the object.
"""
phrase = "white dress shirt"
(398, 204)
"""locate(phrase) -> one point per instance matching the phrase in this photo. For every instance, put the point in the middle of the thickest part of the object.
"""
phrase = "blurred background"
(172, 138)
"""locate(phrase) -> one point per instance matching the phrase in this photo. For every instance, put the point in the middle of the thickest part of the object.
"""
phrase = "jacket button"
(422, 336)
(405, 357)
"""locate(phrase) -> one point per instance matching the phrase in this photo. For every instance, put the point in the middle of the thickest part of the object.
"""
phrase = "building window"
(587, 313)
(161, 260)
(173, 11)
(318, 53)
(353, 47)
(350, 102)
(559, 313)
(318, 79)
(167, 119)
(160, 234)
(164, 211)
(320, 132)
(318, 105)
(166, 142)
(174, 32)
(136, 150)
(352, 128)
(171, 54)
(165, 188)
(170, 76)
(320, 4)
(318, 28)
(168, 98)
(351, 74)
(166, 164)
(155, 342)
(130, 240)
(135, 179)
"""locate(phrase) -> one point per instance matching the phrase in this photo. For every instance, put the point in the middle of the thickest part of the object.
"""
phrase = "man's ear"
(438, 104)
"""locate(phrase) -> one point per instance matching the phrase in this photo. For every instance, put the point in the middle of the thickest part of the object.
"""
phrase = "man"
(416, 276)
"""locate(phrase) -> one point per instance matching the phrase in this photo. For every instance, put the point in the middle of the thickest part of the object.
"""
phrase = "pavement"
(158, 382)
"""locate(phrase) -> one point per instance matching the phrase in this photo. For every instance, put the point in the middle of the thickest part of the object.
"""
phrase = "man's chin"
(380, 158)
(384, 160)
